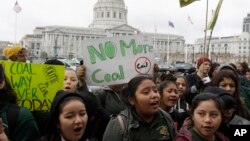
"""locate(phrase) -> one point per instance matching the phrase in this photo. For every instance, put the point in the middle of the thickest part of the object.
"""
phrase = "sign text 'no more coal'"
(116, 60)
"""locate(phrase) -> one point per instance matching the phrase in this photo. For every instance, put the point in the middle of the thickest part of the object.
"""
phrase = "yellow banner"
(34, 84)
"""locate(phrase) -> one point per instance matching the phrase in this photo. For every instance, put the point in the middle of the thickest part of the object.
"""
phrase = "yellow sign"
(34, 84)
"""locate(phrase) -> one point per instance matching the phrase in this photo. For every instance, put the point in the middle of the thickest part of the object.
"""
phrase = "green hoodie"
(25, 128)
(160, 128)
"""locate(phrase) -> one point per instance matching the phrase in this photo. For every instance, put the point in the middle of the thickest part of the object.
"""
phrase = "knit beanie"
(202, 60)
(8, 52)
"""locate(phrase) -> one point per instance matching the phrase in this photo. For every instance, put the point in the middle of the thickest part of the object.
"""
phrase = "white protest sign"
(116, 60)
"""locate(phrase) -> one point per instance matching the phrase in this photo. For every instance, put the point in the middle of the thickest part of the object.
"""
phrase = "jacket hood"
(228, 67)
(52, 126)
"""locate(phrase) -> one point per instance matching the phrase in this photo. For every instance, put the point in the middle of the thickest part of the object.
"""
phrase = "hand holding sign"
(3, 136)
(80, 72)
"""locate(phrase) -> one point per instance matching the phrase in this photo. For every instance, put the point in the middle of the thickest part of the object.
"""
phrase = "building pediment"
(55, 30)
(123, 27)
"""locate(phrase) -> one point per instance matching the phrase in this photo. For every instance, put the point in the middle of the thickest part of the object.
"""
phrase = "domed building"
(109, 14)
(109, 20)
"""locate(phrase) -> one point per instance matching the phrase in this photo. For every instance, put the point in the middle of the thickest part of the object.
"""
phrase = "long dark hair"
(164, 84)
(229, 74)
(214, 65)
(7, 93)
(207, 96)
(130, 89)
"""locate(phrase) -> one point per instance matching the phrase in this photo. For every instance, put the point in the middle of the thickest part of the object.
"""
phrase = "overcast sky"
(144, 15)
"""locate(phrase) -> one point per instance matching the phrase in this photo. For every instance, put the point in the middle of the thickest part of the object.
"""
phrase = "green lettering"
(94, 76)
(110, 50)
(107, 77)
(21, 68)
(37, 104)
(23, 81)
(45, 105)
(121, 72)
(14, 84)
(27, 104)
(33, 92)
(11, 68)
(150, 48)
(138, 49)
(123, 45)
(20, 93)
(93, 52)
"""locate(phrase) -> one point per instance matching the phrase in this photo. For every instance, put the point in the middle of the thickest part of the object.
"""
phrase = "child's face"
(228, 84)
(169, 95)
(73, 120)
(204, 67)
(147, 99)
(70, 81)
(181, 86)
(207, 118)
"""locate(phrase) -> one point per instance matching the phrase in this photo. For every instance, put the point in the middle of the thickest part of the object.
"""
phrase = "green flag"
(186, 2)
(212, 23)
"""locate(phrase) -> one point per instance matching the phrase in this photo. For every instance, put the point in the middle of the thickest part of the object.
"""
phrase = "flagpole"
(208, 48)
(168, 49)
(205, 39)
(154, 41)
(17, 9)
(213, 21)
(186, 54)
(154, 45)
(15, 27)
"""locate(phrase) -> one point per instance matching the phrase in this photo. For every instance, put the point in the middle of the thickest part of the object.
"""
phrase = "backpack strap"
(123, 127)
(121, 122)
(12, 115)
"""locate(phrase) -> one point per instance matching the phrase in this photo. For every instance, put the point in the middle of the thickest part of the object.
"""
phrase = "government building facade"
(109, 20)
(234, 48)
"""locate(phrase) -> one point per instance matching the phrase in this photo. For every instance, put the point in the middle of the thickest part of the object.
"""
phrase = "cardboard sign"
(117, 60)
(34, 84)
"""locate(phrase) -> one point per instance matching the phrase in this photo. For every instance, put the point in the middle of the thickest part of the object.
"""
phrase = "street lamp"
(193, 54)
(56, 47)
(226, 52)
(218, 58)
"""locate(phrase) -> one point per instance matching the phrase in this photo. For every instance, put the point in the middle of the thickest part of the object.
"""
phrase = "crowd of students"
(158, 107)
